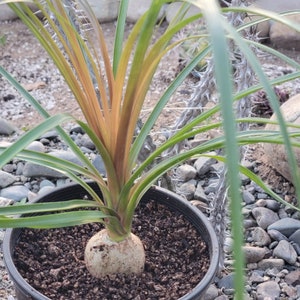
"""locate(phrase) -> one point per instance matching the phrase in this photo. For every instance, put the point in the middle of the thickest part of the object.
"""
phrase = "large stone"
(137, 8)
(278, 5)
(6, 179)
(268, 290)
(267, 28)
(275, 153)
(285, 251)
(286, 226)
(105, 10)
(173, 8)
(264, 216)
(7, 14)
(6, 128)
(35, 170)
(254, 254)
(15, 193)
(282, 36)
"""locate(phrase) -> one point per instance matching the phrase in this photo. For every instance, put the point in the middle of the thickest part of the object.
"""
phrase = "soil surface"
(176, 260)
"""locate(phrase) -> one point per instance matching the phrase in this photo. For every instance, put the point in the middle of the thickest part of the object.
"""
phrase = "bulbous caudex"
(104, 256)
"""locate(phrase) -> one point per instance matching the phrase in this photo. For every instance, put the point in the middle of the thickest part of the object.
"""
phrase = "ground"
(25, 59)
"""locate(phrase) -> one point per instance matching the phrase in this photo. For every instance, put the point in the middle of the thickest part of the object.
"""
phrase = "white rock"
(36, 146)
(275, 153)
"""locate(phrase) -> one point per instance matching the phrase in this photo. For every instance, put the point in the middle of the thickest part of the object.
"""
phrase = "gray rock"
(45, 190)
(9, 168)
(19, 169)
(34, 170)
(272, 204)
(260, 237)
(187, 189)
(36, 146)
(261, 202)
(248, 197)
(295, 237)
(46, 183)
(86, 150)
(203, 164)
(15, 193)
(87, 142)
(264, 216)
(262, 196)
(7, 14)
(256, 277)
(270, 263)
(173, 8)
(290, 291)
(254, 254)
(200, 194)
(105, 10)
(293, 278)
(226, 281)
(6, 128)
(185, 172)
(249, 223)
(203, 206)
(276, 235)
(268, 289)
(211, 293)
(222, 297)
(50, 135)
(285, 251)
(99, 165)
(137, 8)
(6, 179)
(286, 226)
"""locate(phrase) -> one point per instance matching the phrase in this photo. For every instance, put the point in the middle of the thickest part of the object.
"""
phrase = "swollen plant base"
(105, 257)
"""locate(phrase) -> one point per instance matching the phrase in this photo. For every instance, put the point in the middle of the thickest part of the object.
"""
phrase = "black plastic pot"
(25, 292)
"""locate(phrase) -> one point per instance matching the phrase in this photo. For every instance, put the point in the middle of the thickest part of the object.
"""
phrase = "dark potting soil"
(52, 261)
